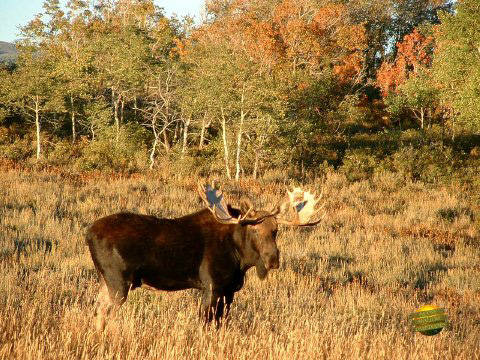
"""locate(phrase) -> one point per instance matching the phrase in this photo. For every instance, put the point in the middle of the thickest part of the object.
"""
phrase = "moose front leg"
(213, 305)
(228, 302)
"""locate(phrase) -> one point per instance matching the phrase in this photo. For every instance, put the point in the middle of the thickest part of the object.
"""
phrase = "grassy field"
(343, 291)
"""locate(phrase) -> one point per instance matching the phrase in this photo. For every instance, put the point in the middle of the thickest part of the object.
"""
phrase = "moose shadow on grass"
(315, 263)
(428, 275)
(30, 246)
(445, 250)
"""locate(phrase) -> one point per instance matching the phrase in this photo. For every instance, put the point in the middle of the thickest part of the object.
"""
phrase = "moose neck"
(247, 255)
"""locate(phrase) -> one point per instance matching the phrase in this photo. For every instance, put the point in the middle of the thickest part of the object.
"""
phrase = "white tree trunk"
(225, 145)
(37, 125)
(155, 143)
(185, 135)
(122, 109)
(74, 131)
(239, 144)
(166, 143)
(115, 114)
(175, 133)
(422, 117)
(239, 139)
(152, 152)
(205, 125)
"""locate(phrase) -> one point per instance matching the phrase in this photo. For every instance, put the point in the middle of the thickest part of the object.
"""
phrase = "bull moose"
(208, 250)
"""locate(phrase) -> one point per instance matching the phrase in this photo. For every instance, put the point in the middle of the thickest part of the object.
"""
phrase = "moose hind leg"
(110, 297)
(103, 307)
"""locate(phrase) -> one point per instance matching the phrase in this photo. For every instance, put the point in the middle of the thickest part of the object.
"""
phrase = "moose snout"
(273, 261)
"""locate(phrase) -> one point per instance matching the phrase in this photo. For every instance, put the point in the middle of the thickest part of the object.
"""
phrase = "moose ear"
(246, 206)
(236, 213)
(278, 210)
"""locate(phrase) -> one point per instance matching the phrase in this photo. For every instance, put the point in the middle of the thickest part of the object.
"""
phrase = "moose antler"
(217, 205)
(302, 203)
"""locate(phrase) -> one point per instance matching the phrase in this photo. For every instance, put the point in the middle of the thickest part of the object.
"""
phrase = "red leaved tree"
(414, 52)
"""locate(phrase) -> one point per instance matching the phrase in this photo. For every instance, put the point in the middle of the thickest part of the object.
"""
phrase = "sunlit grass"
(343, 291)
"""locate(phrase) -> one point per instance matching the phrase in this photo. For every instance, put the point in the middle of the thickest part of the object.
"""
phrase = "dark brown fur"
(194, 251)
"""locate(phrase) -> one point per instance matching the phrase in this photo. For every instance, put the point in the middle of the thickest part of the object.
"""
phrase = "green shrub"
(428, 163)
(129, 153)
(359, 164)
(411, 137)
(63, 153)
(16, 148)
(99, 154)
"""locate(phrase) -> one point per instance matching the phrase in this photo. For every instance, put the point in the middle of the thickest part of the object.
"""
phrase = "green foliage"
(359, 164)
(417, 97)
(3, 114)
(427, 163)
(102, 155)
(20, 150)
(413, 154)
(129, 153)
(181, 165)
(312, 113)
(457, 64)
(97, 115)
(14, 146)
(351, 114)
(64, 153)
(103, 84)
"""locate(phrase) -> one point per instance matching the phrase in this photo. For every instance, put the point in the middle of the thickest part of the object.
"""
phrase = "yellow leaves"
(180, 48)
(415, 49)
(386, 78)
(261, 42)
(284, 11)
(329, 16)
(353, 40)
(352, 37)
(289, 34)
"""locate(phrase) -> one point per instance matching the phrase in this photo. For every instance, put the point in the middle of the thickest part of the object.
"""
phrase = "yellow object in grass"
(429, 320)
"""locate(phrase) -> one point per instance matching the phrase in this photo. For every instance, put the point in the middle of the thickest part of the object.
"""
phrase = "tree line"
(256, 84)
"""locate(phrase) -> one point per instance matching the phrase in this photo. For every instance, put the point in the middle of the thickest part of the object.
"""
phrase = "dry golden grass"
(343, 291)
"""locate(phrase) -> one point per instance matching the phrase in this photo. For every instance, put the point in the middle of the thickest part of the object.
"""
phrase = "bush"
(98, 155)
(428, 163)
(15, 147)
(189, 165)
(64, 153)
(359, 164)
(129, 153)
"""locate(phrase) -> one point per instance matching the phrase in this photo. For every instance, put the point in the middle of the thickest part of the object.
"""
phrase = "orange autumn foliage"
(413, 52)
(288, 35)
